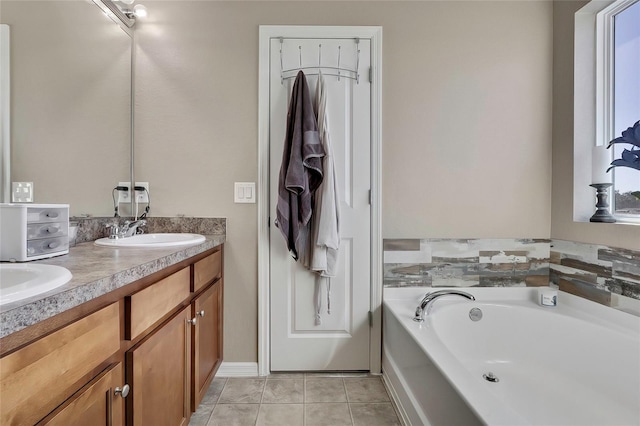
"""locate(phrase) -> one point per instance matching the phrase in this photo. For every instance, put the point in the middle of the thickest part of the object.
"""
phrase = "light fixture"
(140, 11)
(127, 2)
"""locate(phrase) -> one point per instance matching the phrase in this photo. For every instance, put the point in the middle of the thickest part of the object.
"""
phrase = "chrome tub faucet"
(425, 305)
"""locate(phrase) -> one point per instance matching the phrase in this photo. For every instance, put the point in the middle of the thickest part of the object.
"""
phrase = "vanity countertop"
(96, 271)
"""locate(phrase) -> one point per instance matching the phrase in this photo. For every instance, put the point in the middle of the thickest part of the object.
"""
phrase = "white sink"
(21, 280)
(152, 240)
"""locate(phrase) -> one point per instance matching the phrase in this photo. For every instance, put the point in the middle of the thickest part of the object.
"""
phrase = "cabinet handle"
(123, 391)
(201, 313)
(192, 321)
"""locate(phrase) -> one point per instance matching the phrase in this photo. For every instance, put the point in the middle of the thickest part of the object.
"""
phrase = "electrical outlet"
(142, 196)
(123, 195)
(22, 192)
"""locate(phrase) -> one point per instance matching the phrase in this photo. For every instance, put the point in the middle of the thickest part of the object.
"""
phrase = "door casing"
(374, 34)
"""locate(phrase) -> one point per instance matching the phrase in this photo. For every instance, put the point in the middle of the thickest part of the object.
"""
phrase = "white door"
(341, 341)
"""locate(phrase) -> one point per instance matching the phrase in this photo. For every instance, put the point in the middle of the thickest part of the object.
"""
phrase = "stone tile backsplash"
(607, 275)
(92, 228)
(466, 262)
(596, 272)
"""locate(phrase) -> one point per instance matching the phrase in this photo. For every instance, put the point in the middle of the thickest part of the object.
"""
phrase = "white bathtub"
(574, 364)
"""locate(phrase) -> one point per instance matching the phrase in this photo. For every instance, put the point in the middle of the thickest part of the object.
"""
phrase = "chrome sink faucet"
(128, 229)
(131, 228)
(425, 305)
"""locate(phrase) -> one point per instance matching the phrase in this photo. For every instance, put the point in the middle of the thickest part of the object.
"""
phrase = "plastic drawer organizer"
(33, 231)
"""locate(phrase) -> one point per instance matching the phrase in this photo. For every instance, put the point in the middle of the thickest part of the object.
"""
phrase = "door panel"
(341, 341)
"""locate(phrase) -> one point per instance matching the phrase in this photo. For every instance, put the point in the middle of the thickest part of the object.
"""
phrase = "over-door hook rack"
(326, 70)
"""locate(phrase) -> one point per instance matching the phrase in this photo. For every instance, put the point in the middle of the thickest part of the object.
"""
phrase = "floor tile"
(327, 415)
(374, 414)
(284, 391)
(323, 374)
(245, 391)
(213, 393)
(281, 415)
(325, 389)
(234, 415)
(278, 376)
(201, 416)
(365, 390)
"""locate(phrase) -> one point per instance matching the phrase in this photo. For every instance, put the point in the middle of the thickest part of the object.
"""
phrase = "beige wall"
(562, 224)
(466, 121)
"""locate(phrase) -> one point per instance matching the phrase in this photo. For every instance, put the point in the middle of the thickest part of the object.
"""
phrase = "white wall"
(466, 121)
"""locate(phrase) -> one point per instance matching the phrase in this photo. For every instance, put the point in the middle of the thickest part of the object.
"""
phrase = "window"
(625, 103)
(606, 100)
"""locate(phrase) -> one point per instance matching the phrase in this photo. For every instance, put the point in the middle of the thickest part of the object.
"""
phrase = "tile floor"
(306, 399)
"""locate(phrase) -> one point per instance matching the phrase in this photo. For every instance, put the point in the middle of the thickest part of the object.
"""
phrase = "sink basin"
(152, 240)
(20, 280)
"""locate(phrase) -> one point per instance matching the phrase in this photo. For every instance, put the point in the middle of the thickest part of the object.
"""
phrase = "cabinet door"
(39, 377)
(98, 404)
(207, 342)
(158, 370)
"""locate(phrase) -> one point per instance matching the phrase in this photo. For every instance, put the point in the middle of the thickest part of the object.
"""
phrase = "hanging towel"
(301, 169)
(325, 223)
(325, 227)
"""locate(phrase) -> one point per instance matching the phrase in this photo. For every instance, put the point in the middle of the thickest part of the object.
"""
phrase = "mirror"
(70, 102)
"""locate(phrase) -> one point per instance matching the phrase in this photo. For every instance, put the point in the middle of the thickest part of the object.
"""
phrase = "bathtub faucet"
(423, 309)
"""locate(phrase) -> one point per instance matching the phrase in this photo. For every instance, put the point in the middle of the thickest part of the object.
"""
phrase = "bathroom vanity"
(142, 349)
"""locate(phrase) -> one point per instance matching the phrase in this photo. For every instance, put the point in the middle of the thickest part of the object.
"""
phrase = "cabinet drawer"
(47, 245)
(206, 270)
(37, 378)
(47, 214)
(46, 230)
(147, 306)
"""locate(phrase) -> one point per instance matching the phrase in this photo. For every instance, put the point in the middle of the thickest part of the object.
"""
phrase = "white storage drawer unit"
(33, 231)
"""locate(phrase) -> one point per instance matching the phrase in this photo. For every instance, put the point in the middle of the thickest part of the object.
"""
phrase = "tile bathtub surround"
(310, 399)
(466, 262)
(607, 275)
(92, 228)
(610, 276)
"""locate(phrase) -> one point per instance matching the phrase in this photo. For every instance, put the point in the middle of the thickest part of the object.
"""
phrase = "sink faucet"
(130, 228)
(127, 229)
(423, 309)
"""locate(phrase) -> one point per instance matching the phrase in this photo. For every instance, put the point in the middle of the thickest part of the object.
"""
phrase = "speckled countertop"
(96, 271)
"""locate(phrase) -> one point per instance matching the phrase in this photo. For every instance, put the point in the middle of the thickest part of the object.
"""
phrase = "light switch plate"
(22, 192)
(244, 192)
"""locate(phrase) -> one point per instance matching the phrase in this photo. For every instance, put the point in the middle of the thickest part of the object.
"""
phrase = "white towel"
(324, 240)
(325, 229)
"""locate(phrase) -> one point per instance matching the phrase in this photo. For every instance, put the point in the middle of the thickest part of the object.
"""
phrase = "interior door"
(341, 340)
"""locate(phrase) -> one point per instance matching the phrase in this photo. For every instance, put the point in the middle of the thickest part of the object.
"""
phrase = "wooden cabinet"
(207, 340)
(161, 336)
(37, 378)
(158, 370)
(99, 403)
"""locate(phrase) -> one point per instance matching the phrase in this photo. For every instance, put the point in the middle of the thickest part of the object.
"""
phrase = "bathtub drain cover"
(490, 377)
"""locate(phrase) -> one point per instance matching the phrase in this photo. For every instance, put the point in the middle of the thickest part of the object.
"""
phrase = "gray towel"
(301, 169)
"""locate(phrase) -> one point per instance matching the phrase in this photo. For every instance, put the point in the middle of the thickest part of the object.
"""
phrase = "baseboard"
(238, 369)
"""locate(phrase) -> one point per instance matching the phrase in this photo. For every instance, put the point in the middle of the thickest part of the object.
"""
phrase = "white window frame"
(593, 80)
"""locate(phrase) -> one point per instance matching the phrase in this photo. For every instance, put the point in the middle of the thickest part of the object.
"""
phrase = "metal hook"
(300, 50)
(320, 55)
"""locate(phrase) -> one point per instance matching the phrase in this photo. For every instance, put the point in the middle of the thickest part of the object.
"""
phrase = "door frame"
(267, 33)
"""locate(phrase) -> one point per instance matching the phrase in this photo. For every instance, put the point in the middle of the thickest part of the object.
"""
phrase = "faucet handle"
(114, 229)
